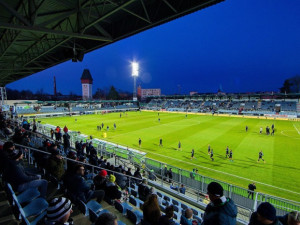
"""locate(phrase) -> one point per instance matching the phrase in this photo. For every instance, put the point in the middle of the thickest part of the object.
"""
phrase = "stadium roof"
(38, 34)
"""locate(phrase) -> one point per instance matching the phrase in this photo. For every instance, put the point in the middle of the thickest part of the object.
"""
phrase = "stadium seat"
(26, 196)
(195, 212)
(35, 221)
(134, 193)
(162, 208)
(122, 207)
(92, 205)
(132, 201)
(94, 215)
(34, 208)
(175, 208)
(132, 217)
(174, 202)
(198, 219)
(159, 194)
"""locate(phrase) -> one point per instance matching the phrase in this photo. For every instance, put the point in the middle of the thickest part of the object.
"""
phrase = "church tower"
(87, 83)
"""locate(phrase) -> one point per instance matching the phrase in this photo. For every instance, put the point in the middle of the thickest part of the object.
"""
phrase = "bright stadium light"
(134, 74)
(135, 69)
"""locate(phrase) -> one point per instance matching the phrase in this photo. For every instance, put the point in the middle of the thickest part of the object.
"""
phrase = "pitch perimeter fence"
(196, 182)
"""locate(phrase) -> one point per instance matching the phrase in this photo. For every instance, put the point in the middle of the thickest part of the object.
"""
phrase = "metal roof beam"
(15, 13)
(170, 6)
(107, 15)
(55, 32)
(130, 12)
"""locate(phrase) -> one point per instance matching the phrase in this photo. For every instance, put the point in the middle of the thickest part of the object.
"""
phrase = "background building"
(87, 83)
(143, 93)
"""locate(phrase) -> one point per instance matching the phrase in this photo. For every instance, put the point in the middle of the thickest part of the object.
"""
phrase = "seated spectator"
(151, 210)
(8, 131)
(292, 218)
(20, 180)
(187, 218)
(7, 149)
(128, 172)
(71, 164)
(100, 180)
(55, 165)
(151, 175)
(143, 190)
(121, 179)
(112, 191)
(107, 219)
(59, 211)
(137, 174)
(265, 214)
(221, 210)
(79, 189)
(182, 189)
(167, 219)
(173, 187)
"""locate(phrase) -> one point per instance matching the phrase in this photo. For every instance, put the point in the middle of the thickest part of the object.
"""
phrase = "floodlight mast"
(134, 74)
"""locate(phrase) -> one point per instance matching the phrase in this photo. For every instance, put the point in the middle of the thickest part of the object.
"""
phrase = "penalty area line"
(296, 128)
(243, 178)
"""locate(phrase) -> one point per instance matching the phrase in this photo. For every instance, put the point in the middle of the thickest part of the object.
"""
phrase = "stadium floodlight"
(135, 69)
(134, 74)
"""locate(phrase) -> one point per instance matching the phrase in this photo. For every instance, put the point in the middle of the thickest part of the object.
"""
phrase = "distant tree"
(291, 85)
(286, 88)
(113, 94)
(99, 94)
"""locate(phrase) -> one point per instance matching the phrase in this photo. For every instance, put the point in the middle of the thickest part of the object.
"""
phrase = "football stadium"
(140, 157)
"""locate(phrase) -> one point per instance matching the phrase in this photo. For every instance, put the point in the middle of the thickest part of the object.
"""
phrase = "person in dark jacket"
(55, 165)
(264, 215)
(221, 210)
(7, 149)
(137, 174)
(111, 190)
(79, 189)
(100, 180)
(167, 219)
(143, 190)
(292, 218)
(251, 189)
(19, 179)
(67, 145)
(121, 179)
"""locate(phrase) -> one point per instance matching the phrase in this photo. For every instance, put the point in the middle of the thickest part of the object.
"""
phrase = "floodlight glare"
(135, 69)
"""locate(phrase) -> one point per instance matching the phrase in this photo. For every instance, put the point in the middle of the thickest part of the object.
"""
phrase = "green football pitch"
(279, 175)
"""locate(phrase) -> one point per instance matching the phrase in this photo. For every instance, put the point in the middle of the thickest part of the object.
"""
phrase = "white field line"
(296, 128)
(228, 174)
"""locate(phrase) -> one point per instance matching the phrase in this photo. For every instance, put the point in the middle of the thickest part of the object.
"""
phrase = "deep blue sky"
(244, 45)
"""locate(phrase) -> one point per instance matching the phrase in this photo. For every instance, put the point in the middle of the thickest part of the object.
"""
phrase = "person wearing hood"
(264, 215)
(221, 210)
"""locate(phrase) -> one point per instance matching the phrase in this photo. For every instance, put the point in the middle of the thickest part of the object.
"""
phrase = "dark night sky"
(243, 45)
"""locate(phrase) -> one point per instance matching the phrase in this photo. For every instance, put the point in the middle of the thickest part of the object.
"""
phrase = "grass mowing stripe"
(197, 131)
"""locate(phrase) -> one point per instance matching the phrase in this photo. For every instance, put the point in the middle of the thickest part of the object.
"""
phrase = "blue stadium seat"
(94, 216)
(132, 217)
(26, 196)
(122, 207)
(92, 205)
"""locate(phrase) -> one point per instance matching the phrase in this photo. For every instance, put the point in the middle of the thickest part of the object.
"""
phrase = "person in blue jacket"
(220, 210)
